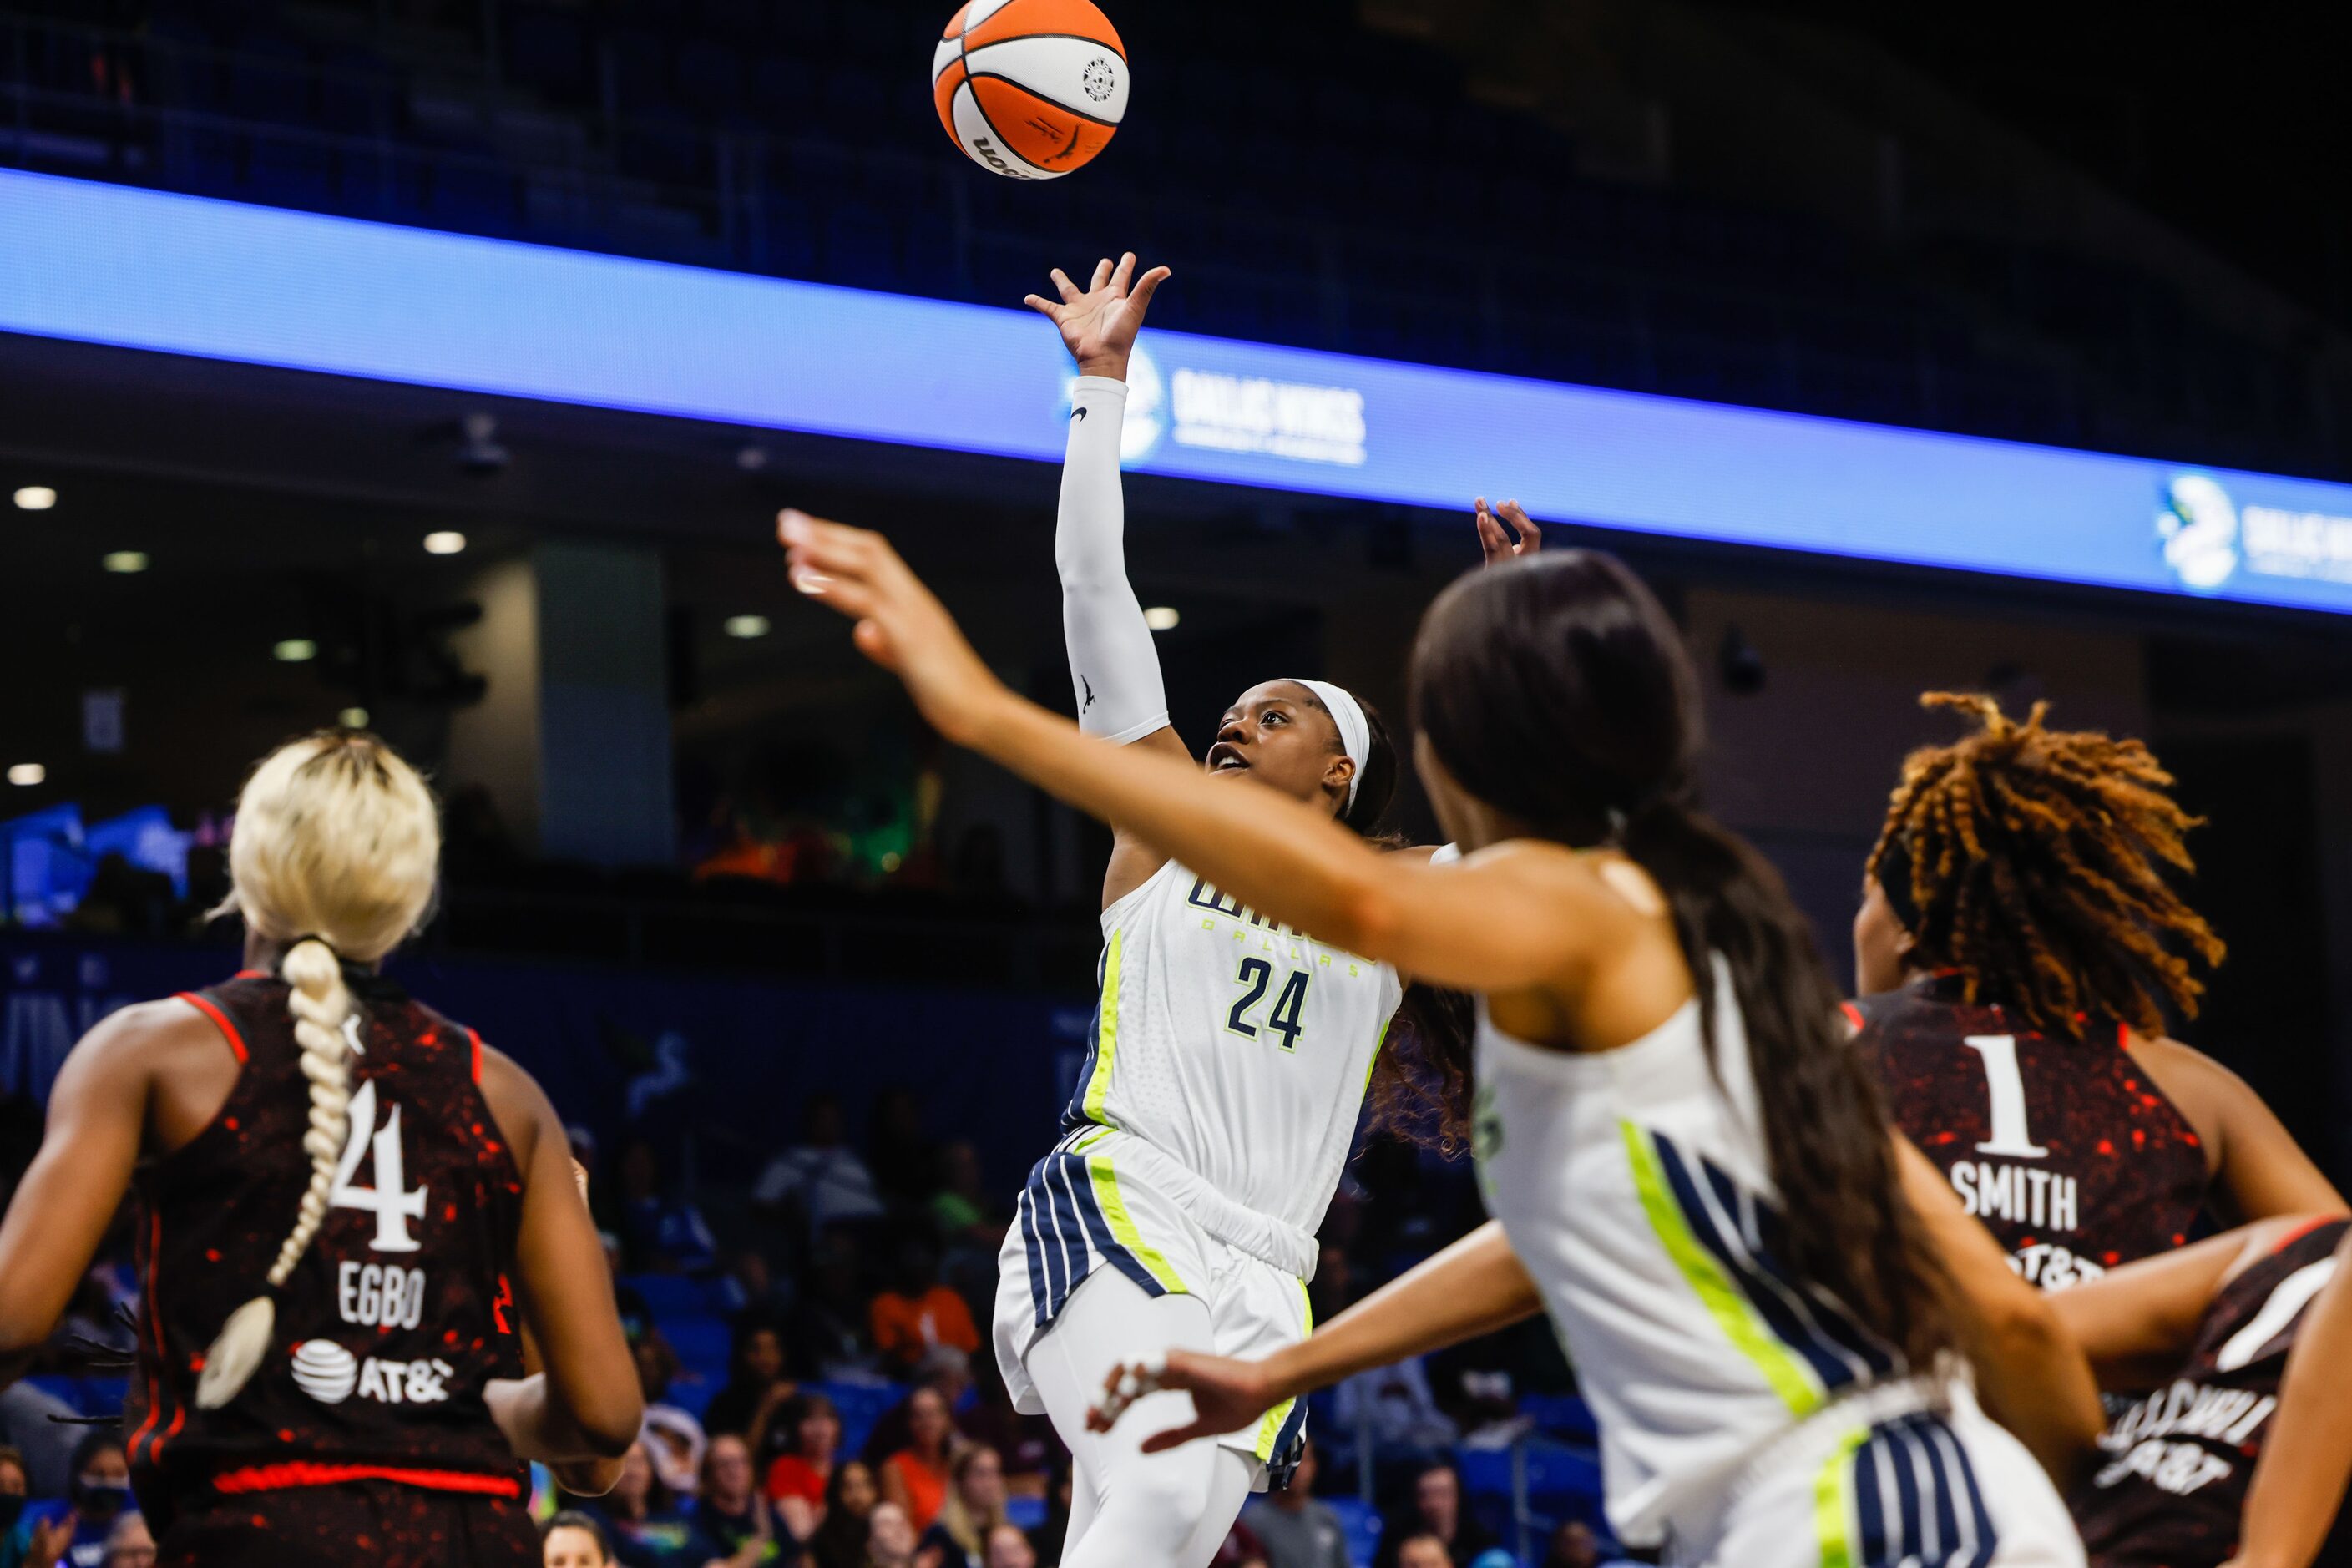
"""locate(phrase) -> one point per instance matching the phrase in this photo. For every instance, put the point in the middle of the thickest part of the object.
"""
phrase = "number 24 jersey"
(1233, 1044)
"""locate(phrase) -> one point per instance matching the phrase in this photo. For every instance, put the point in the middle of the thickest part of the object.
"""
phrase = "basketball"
(1030, 88)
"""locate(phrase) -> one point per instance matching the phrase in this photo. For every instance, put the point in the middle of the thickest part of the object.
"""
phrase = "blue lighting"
(190, 276)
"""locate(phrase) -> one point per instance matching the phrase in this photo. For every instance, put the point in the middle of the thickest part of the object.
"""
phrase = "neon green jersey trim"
(1833, 1502)
(1731, 1310)
(1107, 1037)
(1377, 1045)
(1122, 1227)
(1270, 1429)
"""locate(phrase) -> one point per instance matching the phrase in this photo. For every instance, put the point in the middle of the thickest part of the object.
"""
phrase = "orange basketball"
(1030, 88)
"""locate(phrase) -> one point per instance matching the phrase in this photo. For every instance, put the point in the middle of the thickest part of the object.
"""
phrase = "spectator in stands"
(831, 1320)
(1008, 1548)
(1394, 1406)
(130, 1544)
(731, 1513)
(906, 1161)
(574, 1539)
(660, 1233)
(946, 1372)
(918, 1314)
(1573, 1545)
(15, 1485)
(1025, 1443)
(642, 1520)
(916, 1478)
(797, 1482)
(757, 1386)
(1422, 1551)
(1240, 1548)
(1437, 1512)
(849, 1500)
(750, 1288)
(974, 1505)
(98, 1492)
(1298, 1529)
(36, 1426)
(890, 1543)
(822, 1182)
(961, 1210)
(673, 1437)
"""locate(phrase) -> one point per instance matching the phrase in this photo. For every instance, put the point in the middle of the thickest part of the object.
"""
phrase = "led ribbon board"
(185, 275)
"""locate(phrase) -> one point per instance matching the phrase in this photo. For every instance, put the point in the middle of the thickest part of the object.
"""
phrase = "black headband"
(1895, 882)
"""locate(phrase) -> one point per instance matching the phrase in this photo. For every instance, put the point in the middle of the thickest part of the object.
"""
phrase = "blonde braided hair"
(336, 848)
(2038, 863)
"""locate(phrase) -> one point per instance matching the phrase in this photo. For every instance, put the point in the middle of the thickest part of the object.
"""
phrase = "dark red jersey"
(396, 1316)
(2172, 1492)
(2065, 1149)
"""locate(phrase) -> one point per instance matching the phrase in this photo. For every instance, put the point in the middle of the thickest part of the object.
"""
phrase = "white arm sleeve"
(1114, 668)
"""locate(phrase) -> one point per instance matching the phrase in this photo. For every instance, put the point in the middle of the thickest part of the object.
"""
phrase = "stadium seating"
(800, 140)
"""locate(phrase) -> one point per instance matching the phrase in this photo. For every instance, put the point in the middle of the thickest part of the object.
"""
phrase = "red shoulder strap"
(211, 1009)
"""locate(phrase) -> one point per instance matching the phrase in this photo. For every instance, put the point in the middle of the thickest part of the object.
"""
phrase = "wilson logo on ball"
(1030, 88)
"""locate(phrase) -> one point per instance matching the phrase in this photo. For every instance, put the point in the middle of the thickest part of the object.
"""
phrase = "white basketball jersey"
(1232, 1044)
(1633, 1185)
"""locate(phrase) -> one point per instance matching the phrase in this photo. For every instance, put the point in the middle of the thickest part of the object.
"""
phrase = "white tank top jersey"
(1633, 1184)
(1233, 1044)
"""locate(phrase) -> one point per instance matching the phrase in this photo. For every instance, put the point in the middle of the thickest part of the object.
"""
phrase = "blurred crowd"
(820, 1391)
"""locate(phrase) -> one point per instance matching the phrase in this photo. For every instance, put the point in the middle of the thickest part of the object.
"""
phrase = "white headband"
(1355, 730)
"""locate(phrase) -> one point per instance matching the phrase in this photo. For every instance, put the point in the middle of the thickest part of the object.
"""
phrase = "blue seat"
(1561, 1416)
(703, 1345)
(1362, 1520)
(861, 1405)
(1026, 1513)
(670, 1295)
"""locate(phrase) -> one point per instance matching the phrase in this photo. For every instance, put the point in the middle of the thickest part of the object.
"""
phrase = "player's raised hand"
(1496, 541)
(1227, 1395)
(1100, 323)
(901, 625)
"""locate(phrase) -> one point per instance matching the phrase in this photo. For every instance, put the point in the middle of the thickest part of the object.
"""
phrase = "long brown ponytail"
(1556, 689)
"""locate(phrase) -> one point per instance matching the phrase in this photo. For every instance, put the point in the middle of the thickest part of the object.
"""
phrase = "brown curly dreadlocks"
(2033, 862)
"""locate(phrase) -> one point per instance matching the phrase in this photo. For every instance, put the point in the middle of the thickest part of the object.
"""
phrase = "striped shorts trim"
(1904, 1492)
(1071, 1215)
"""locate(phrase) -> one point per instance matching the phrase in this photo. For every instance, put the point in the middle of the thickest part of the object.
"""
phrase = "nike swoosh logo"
(1079, 414)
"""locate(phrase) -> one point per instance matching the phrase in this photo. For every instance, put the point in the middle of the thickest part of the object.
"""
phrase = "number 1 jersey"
(2066, 1149)
(1232, 1044)
(398, 1315)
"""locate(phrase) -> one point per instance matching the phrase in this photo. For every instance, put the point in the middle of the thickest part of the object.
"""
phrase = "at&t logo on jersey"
(331, 1374)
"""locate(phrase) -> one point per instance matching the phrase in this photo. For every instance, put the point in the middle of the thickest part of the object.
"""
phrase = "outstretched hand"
(1496, 541)
(1227, 1395)
(901, 626)
(1099, 325)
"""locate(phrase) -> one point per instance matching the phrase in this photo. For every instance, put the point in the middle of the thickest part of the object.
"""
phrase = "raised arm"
(584, 1409)
(98, 1113)
(1115, 678)
(2029, 1369)
(1518, 916)
(1473, 1287)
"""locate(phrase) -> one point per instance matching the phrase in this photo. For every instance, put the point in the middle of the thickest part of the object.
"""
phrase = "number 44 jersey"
(1232, 1044)
(398, 1315)
(2066, 1149)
